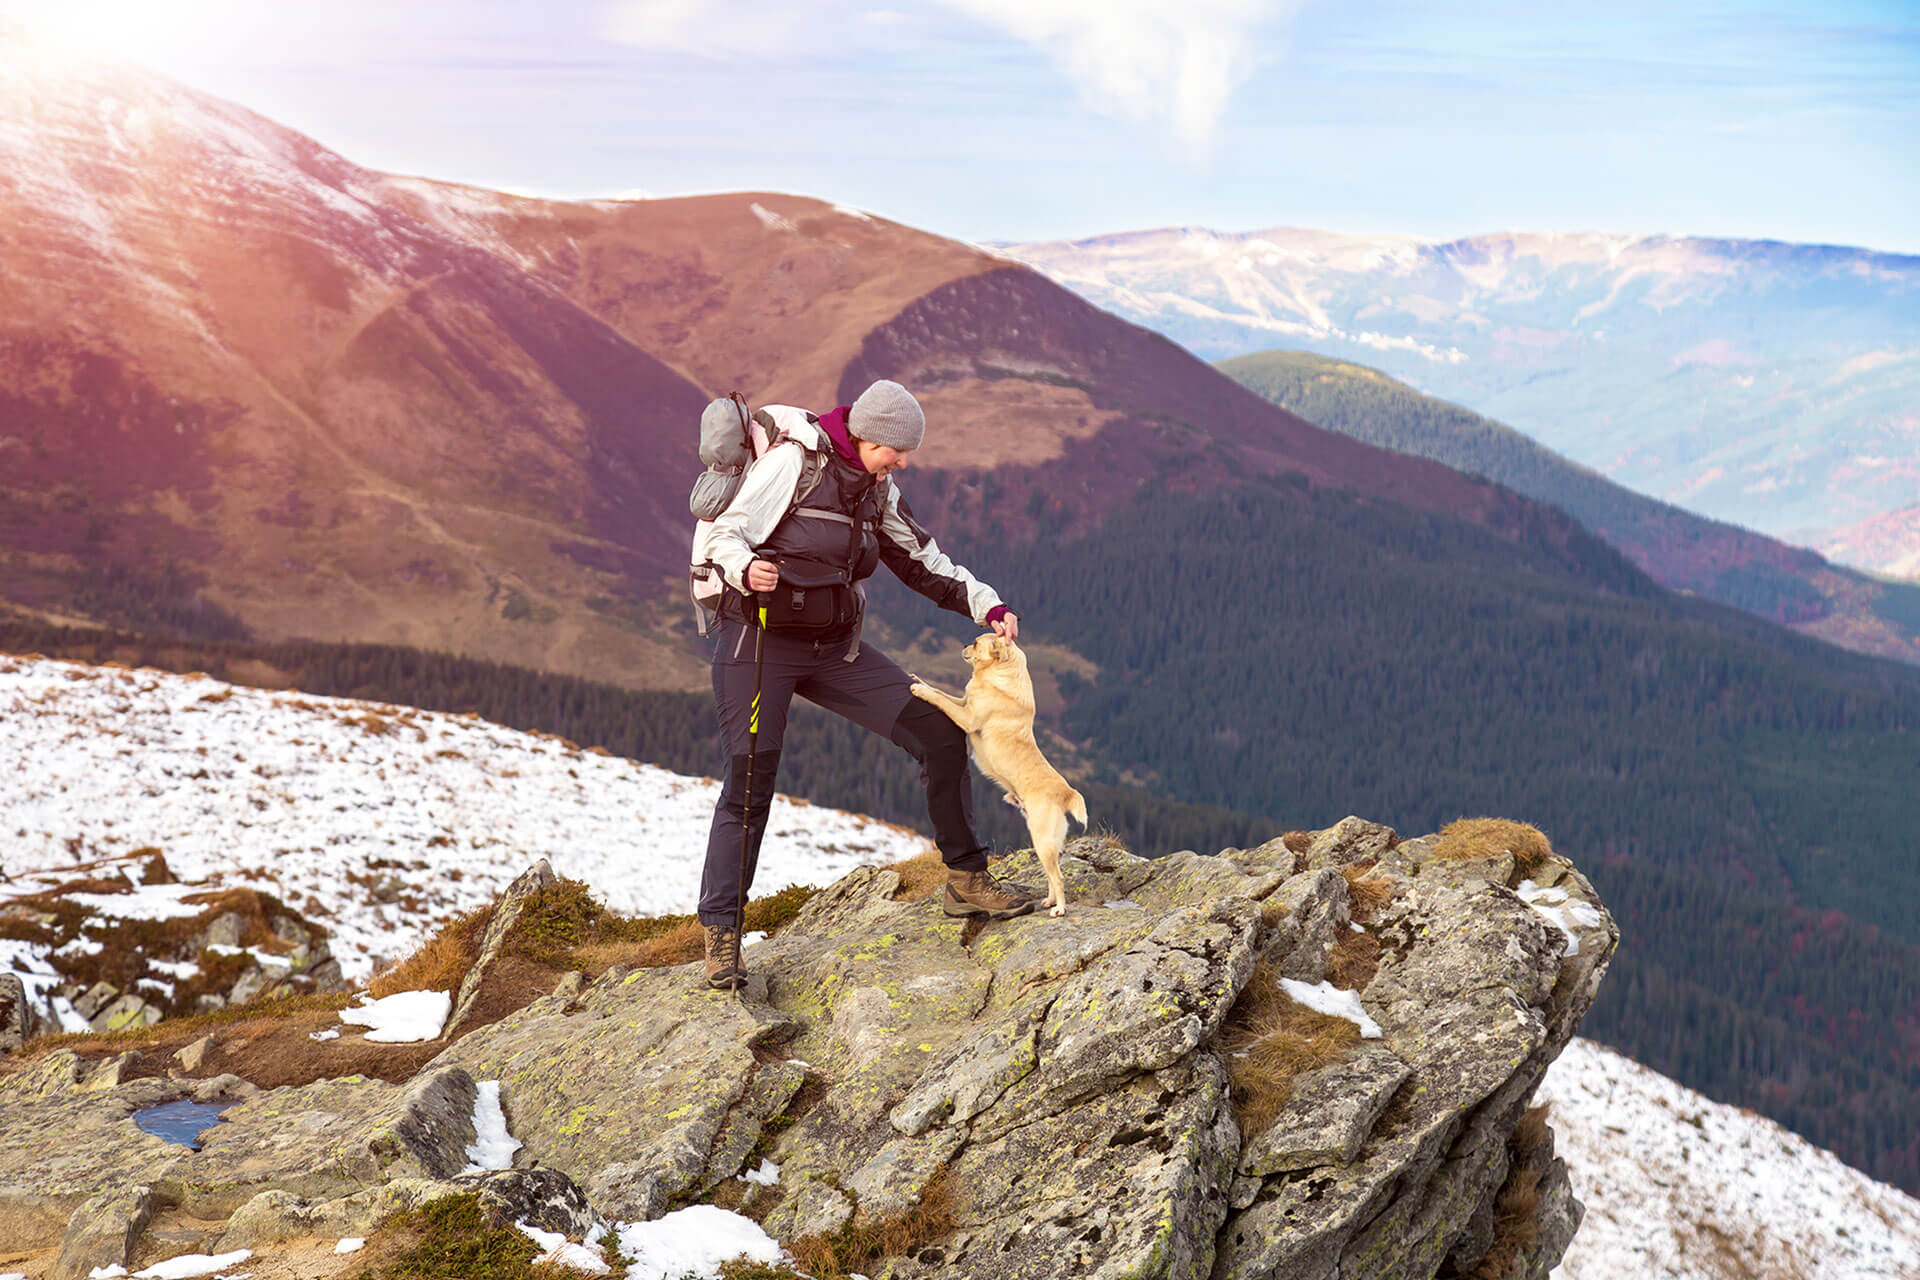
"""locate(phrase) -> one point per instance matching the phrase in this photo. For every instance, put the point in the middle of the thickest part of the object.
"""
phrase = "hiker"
(800, 568)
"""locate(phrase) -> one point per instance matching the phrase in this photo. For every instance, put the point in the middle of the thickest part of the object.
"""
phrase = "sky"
(998, 120)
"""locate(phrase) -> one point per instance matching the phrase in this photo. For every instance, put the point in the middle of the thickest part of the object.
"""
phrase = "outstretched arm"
(916, 559)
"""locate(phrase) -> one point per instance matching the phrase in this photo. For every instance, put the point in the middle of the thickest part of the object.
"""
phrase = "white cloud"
(1154, 62)
(1165, 64)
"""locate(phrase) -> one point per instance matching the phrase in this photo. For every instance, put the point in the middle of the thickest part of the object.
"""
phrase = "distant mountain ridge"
(1773, 385)
(1676, 548)
(317, 401)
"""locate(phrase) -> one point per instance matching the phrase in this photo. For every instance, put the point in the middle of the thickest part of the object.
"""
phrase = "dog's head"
(992, 650)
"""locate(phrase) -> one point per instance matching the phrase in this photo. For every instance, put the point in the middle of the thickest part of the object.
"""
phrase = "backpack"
(732, 438)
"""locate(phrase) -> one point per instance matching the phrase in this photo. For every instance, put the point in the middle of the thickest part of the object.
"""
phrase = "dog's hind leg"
(1048, 827)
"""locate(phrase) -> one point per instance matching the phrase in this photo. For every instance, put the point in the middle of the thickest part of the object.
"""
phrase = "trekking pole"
(746, 818)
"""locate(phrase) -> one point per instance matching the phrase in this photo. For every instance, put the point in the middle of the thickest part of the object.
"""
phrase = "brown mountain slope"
(220, 361)
(241, 376)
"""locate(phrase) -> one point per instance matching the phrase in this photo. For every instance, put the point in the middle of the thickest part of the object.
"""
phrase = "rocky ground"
(1138, 1088)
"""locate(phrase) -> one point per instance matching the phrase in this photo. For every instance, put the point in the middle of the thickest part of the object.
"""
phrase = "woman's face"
(882, 459)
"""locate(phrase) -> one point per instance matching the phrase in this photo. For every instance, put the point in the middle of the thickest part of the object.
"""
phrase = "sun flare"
(156, 33)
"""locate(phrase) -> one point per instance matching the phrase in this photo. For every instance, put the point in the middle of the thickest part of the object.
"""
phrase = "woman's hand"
(763, 575)
(1007, 626)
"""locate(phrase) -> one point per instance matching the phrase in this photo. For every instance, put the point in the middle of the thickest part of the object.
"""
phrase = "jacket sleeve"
(917, 560)
(763, 502)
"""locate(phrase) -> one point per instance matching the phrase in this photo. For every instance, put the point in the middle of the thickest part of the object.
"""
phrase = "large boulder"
(1062, 1089)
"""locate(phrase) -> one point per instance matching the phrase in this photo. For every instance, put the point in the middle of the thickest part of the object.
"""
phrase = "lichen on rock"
(1062, 1082)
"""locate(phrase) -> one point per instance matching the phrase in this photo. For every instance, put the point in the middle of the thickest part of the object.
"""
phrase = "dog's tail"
(1078, 808)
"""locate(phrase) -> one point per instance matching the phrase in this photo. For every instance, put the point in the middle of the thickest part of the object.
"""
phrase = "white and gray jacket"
(830, 525)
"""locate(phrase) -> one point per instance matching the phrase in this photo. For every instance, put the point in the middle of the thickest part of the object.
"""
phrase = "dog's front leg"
(956, 709)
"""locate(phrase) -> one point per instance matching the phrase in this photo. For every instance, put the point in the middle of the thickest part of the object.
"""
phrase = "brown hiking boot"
(977, 893)
(724, 971)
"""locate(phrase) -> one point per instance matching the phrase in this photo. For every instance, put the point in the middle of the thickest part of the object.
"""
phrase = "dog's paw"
(918, 689)
(1059, 910)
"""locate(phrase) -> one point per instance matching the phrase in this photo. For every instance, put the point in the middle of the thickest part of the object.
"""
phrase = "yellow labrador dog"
(997, 714)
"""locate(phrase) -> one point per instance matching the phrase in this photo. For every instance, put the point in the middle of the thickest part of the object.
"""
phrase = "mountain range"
(1678, 549)
(253, 395)
(1770, 385)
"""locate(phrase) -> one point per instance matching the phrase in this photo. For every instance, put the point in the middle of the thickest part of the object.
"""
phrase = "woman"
(793, 563)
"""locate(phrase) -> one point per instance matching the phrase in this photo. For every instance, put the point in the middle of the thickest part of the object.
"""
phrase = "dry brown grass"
(1297, 841)
(1269, 1040)
(1516, 1209)
(920, 877)
(1470, 839)
(442, 960)
(1353, 961)
(1366, 894)
(856, 1247)
(565, 927)
(683, 942)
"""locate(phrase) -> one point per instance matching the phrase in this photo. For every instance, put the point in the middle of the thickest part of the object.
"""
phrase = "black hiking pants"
(872, 692)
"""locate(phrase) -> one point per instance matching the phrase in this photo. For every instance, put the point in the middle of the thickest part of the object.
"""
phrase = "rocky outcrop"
(1065, 1086)
(88, 969)
(506, 914)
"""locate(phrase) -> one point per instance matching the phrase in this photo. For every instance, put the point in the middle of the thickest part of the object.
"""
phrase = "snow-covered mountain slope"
(1678, 1187)
(1771, 385)
(378, 822)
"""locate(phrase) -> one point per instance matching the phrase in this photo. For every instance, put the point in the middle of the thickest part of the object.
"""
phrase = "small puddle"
(182, 1122)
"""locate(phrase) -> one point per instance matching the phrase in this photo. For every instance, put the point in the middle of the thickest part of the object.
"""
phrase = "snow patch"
(767, 1175)
(771, 220)
(694, 1241)
(402, 1018)
(493, 1146)
(560, 1251)
(1324, 997)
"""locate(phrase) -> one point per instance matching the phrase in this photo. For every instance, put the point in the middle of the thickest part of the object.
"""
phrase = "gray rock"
(192, 1056)
(290, 931)
(506, 914)
(1273, 857)
(252, 981)
(275, 1215)
(327, 975)
(224, 930)
(17, 1020)
(628, 1094)
(101, 1233)
(544, 1198)
(1346, 841)
(1132, 1183)
(128, 1011)
(811, 1207)
(1470, 995)
(1329, 1115)
(1317, 912)
(1059, 1075)
(97, 997)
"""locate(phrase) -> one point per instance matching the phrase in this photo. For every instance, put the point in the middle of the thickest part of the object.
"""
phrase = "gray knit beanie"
(886, 413)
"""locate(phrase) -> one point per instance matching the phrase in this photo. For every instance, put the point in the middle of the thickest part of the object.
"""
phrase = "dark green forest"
(1368, 405)
(1742, 797)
